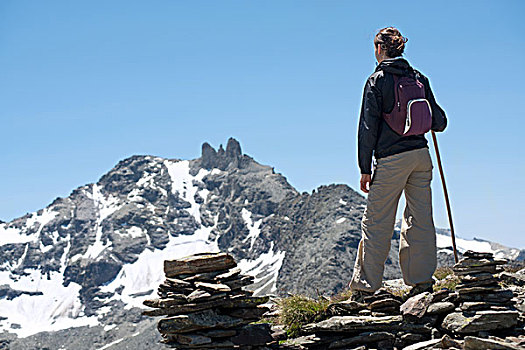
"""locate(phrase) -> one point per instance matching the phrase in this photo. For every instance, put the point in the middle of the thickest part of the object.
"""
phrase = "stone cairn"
(479, 314)
(204, 305)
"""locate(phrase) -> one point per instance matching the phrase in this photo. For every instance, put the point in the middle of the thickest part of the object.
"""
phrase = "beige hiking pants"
(410, 171)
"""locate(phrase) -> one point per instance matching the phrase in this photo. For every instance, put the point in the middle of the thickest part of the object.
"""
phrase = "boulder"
(416, 306)
(199, 263)
(237, 283)
(388, 303)
(362, 338)
(475, 262)
(213, 287)
(478, 255)
(473, 277)
(478, 290)
(474, 306)
(228, 275)
(486, 320)
(199, 295)
(347, 307)
(440, 308)
(487, 282)
(306, 341)
(412, 338)
(445, 342)
(472, 270)
(497, 296)
(345, 324)
(162, 303)
(427, 344)
(196, 321)
(475, 343)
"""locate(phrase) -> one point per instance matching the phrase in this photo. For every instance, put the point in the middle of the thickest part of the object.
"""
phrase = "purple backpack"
(412, 114)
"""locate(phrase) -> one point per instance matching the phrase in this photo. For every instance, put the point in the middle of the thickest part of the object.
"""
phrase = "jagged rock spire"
(221, 159)
(233, 148)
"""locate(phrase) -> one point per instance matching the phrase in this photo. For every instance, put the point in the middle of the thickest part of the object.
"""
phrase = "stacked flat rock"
(205, 305)
(484, 306)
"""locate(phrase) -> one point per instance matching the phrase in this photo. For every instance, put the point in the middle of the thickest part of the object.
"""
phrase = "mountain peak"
(221, 159)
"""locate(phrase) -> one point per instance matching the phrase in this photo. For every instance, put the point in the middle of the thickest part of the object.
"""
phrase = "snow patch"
(253, 227)
(109, 327)
(182, 183)
(111, 344)
(462, 245)
(148, 180)
(133, 232)
(9, 235)
(147, 272)
(105, 207)
(57, 308)
(265, 268)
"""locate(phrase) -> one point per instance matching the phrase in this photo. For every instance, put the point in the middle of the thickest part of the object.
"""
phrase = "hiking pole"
(446, 196)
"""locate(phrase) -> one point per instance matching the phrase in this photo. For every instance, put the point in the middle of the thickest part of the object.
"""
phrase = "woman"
(402, 164)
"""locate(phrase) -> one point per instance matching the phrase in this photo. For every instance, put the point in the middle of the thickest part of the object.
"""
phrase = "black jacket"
(375, 137)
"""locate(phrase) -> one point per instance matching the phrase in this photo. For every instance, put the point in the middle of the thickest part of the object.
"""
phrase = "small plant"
(442, 272)
(449, 282)
(445, 278)
(398, 292)
(298, 310)
(341, 296)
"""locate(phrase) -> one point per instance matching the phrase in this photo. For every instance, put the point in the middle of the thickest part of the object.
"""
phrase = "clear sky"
(84, 84)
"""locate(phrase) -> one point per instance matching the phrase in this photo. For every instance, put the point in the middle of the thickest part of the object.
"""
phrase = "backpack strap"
(396, 90)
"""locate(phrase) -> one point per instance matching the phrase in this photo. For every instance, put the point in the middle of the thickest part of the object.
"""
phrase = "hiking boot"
(420, 288)
(360, 295)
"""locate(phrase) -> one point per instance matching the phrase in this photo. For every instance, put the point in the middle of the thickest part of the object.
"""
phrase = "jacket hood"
(397, 66)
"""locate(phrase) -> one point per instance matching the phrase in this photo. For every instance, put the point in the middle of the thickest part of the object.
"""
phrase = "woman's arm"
(439, 119)
(370, 117)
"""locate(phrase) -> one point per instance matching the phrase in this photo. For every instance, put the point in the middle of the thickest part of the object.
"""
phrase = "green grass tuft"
(442, 272)
(445, 279)
(298, 310)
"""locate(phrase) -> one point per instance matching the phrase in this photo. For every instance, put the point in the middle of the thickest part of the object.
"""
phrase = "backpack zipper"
(398, 102)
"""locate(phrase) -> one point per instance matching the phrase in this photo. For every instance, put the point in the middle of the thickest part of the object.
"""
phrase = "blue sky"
(86, 84)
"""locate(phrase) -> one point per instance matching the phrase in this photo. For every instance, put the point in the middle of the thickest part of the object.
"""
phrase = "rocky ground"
(204, 306)
(485, 311)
